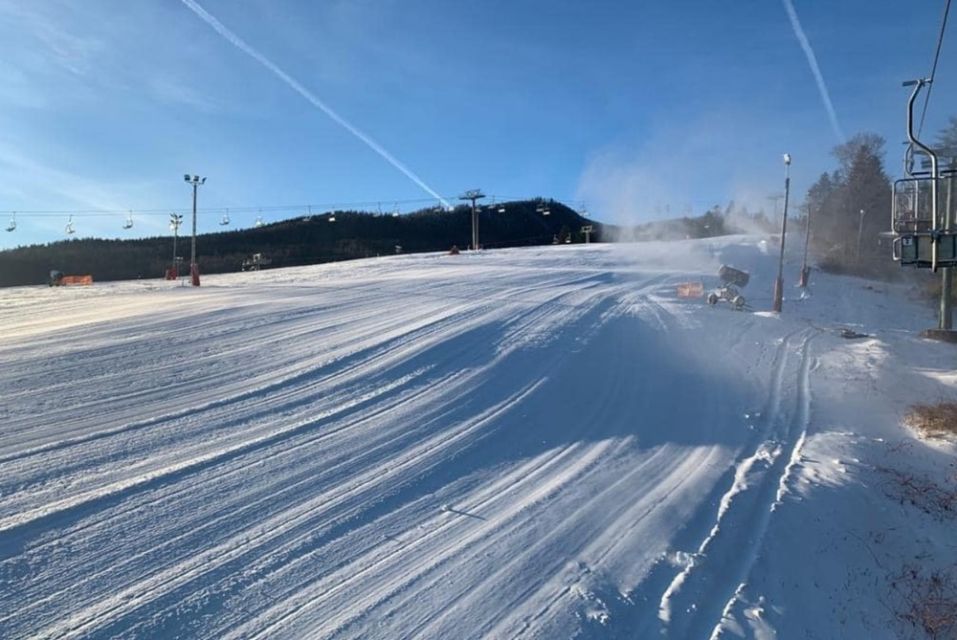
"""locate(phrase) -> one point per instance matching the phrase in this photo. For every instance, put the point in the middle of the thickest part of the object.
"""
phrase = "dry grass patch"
(928, 602)
(933, 420)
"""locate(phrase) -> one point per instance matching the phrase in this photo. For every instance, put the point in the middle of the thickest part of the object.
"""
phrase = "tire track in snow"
(803, 418)
(701, 591)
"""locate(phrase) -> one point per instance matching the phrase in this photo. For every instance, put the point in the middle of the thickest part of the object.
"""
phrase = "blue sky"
(639, 109)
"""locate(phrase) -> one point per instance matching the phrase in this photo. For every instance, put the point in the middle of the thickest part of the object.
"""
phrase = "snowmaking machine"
(732, 281)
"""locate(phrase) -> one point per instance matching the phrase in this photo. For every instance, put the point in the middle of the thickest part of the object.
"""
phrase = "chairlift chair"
(225, 219)
(13, 223)
(259, 222)
(70, 229)
(128, 224)
(395, 210)
(921, 236)
(332, 217)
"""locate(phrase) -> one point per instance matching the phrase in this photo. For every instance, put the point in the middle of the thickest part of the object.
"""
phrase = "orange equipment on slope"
(57, 279)
(690, 290)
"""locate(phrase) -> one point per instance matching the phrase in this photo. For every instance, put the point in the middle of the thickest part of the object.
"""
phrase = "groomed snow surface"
(541, 443)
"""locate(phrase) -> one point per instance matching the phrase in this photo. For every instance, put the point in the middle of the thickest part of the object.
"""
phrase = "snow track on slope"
(725, 556)
(376, 449)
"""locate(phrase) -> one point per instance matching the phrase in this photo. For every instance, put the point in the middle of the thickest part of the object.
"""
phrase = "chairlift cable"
(933, 69)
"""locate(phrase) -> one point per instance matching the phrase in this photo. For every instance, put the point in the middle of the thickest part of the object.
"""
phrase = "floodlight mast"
(175, 220)
(473, 195)
(806, 270)
(193, 267)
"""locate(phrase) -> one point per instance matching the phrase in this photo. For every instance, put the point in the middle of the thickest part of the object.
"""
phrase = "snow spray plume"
(240, 44)
(812, 62)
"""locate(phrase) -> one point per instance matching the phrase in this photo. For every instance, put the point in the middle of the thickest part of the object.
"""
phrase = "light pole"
(193, 267)
(779, 282)
(473, 195)
(175, 220)
(806, 270)
(860, 233)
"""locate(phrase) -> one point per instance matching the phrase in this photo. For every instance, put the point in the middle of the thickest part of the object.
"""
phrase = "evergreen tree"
(850, 208)
(947, 138)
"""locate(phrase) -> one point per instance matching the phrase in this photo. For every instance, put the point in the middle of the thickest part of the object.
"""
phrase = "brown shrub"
(933, 420)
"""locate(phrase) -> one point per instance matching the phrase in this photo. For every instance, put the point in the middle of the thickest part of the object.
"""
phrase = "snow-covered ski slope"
(540, 443)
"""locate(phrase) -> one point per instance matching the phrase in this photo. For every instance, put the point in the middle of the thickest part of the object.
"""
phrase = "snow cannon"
(732, 276)
(732, 280)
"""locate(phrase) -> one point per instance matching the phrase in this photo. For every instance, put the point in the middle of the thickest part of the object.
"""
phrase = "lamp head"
(787, 158)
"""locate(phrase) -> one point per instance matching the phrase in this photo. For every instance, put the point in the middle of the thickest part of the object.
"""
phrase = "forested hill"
(299, 241)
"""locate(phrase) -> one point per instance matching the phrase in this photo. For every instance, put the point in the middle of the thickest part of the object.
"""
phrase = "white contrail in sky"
(816, 70)
(308, 95)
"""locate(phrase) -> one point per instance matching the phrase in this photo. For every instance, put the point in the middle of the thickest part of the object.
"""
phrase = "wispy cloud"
(171, 91)
(296, 86)
(815, 69)
(57, 45)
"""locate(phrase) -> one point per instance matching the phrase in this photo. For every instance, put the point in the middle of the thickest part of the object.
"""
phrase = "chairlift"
(128, 224)
(13, 223)
(225, 219)
(540, 208)
(70, 229)
(332, 217)
(546, 211)
(501, 207)
(259, 222)
(395, 210)
(921, 237)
